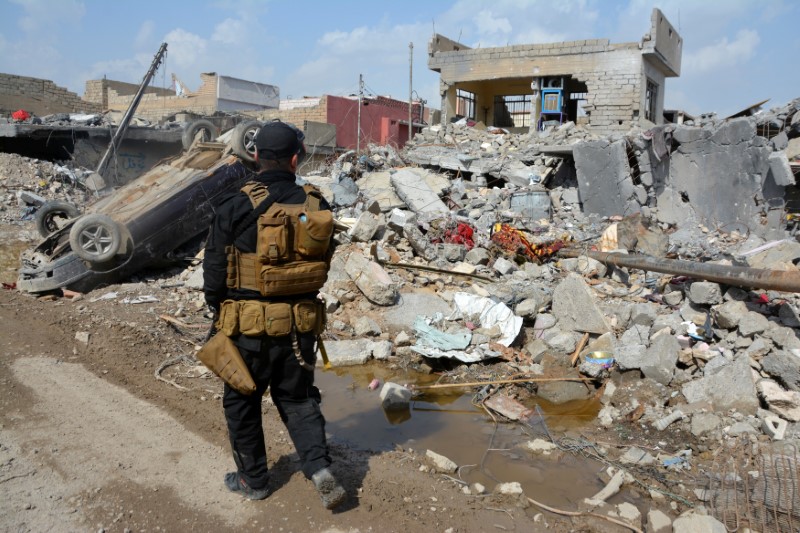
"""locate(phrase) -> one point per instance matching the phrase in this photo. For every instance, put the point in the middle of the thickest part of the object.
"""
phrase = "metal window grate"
(512, 111)
(650, 98)
(465, 103)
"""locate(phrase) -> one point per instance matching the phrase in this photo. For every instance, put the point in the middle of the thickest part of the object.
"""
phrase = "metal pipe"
(126, 118)
(756, 278)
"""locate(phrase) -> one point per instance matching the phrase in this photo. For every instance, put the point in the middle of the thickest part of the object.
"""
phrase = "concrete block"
(413, 304)
(419, 242)
(364, 326)
(377, 187)
(729, 314)
(703, 423)
(697, 523)
(780, 170)
(659, 360)
(394, 397)
(452, 252)
(365, 227)
(658, 522)
(784, 403)
(416, 193)
(440, 463)
(477, 256)
(730, 387)
(346, 352)
(398, 218)
(784, 366)
(583, 265)
(705, 292)
(371, 279)
(575, 306)
(604, 177)
(504, 266)
(751, 323)
(381, 350)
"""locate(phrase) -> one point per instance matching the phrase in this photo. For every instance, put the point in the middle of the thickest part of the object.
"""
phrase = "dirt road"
(90, 441)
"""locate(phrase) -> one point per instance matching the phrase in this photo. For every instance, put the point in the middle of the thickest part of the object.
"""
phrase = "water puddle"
(449, 424)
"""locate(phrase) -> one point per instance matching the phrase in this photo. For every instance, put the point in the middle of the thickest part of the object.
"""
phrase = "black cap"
(279, 140)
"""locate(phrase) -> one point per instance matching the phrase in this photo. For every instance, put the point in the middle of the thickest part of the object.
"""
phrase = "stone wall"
(40, 97)
(156, 103)
(298, 111)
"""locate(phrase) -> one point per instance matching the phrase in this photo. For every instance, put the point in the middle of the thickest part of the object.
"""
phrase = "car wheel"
(206, 127)
(51, 216)
(95, 238)
(243, 140)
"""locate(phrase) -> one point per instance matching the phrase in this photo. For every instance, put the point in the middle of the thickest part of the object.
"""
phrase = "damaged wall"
(615, 74)
(40, 97)
(216, 93)
(383, 120)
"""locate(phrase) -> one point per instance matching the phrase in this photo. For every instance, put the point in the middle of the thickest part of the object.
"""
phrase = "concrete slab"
(604, 178)
(416, 193)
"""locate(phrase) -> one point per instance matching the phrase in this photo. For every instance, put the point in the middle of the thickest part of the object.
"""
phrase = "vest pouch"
(228, 322)
(273, 239)
(306, 316)
(314, 231)
(293, 278)
(278, 319)
(251, 318)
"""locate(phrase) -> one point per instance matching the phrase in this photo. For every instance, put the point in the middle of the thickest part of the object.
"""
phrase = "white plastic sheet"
(488, 313)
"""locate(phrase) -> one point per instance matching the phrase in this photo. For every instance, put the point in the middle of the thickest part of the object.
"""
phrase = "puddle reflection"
(449, 424)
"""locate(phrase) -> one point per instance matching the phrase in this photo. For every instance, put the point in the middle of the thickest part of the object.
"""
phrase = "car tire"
(243, 140)
(95, 238)
(47, 216)
(193, 128)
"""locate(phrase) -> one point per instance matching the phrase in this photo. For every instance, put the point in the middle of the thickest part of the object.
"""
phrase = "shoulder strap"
(312, 197)
(261, 200)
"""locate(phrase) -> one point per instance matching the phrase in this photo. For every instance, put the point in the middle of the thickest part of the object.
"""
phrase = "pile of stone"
(27, 183)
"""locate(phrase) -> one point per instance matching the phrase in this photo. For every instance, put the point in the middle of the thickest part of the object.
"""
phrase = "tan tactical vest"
(292, 247)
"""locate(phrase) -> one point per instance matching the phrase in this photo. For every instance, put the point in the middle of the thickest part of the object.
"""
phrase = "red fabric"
(20, 115)
(461, 235)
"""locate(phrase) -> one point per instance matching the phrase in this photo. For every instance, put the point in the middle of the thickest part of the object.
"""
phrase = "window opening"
(512, 111)
(465, 104)
(580, 99)
(650, 97)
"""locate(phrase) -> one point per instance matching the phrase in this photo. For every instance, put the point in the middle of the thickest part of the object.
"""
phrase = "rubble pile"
(453, 260)
(27, 183)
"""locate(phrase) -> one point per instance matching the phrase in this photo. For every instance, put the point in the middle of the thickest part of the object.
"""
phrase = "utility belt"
(276, 319)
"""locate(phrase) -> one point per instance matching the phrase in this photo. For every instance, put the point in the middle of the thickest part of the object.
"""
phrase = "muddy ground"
(91, 441)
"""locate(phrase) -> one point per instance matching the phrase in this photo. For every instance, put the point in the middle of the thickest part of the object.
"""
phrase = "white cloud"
(489, 25)
(144, 36)
(42, 15)
(186, 49)
(230, 31)
(723, 53)
(381, 53)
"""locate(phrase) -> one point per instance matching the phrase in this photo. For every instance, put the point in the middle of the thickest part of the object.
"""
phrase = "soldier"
(273, 319)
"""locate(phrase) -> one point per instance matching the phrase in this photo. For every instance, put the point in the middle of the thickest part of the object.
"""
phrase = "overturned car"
(141, 224)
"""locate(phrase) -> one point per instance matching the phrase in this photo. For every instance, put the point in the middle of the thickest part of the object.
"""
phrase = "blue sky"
(736, 52)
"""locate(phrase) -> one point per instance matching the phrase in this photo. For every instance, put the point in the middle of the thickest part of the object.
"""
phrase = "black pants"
(273, 364)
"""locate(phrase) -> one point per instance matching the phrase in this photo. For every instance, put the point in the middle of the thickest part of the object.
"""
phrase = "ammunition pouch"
(276, 319)
(222, 357)
(293, 249)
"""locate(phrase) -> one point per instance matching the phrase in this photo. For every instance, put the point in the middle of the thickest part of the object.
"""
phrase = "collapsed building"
(610, 87)
(217, 93)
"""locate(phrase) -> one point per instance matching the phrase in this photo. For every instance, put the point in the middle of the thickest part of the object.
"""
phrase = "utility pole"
(358, 126)
(116, 139)
(410, 87)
